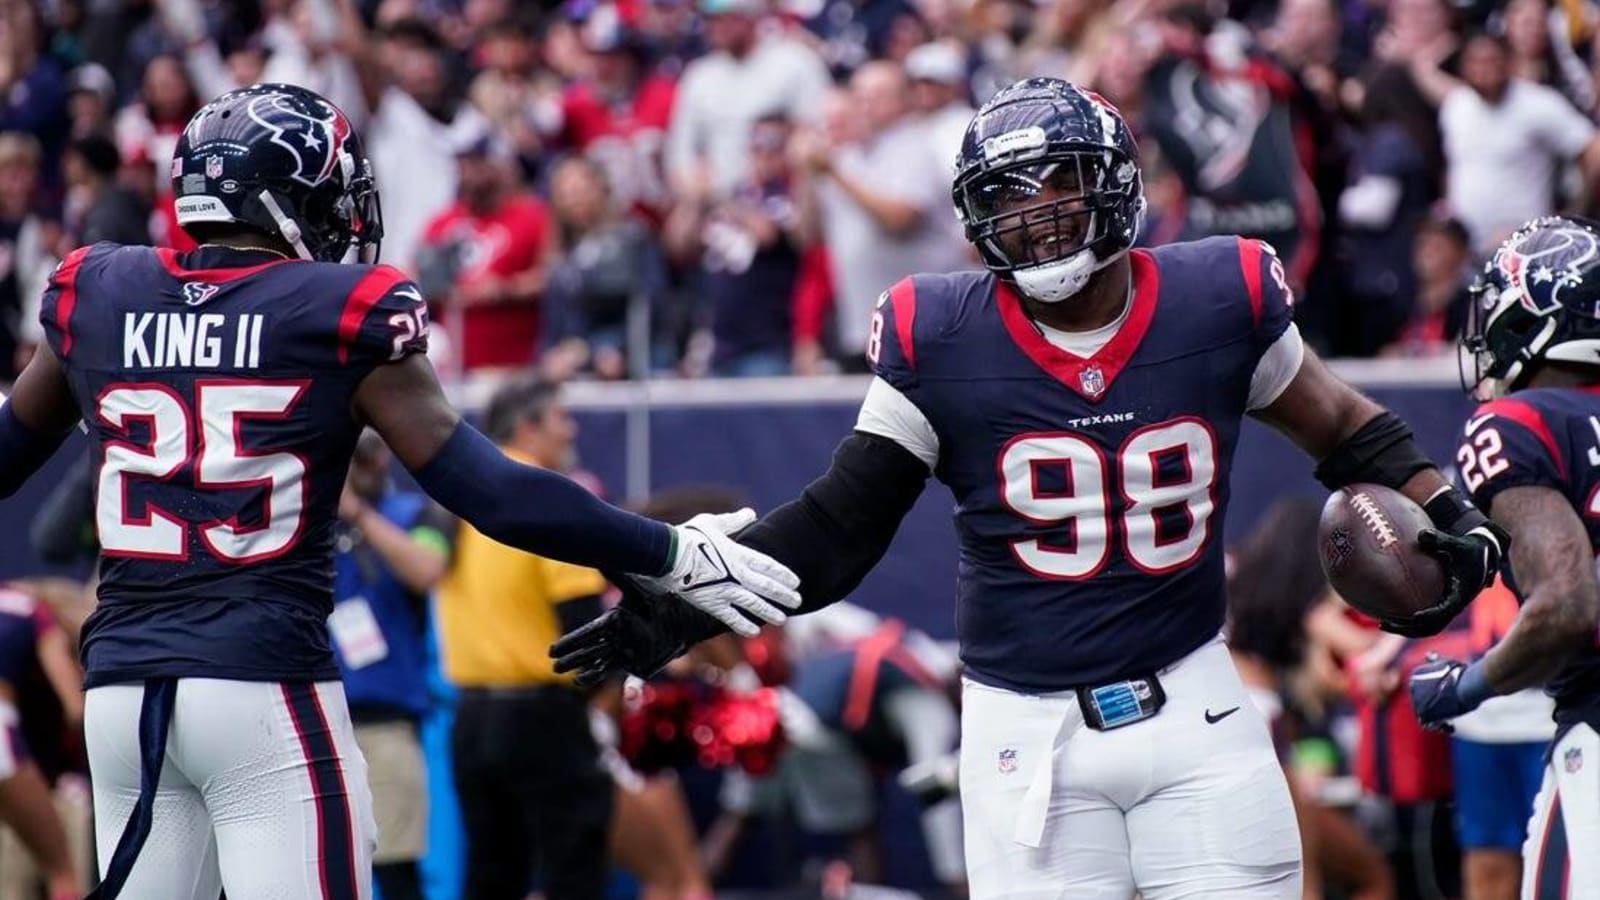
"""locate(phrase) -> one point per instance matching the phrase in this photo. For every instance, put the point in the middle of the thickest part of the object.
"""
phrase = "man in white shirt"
(1506, 142)
(414, 129)
(938, 73)
(753, 70)
(884, 203)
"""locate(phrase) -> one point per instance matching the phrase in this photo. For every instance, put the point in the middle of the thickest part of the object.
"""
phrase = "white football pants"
(1189, 804)
(263, 792)
(1559, 859)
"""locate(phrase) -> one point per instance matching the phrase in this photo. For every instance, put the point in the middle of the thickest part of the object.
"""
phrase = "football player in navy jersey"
(223, 391)
(1532, 459)
(1083, 400)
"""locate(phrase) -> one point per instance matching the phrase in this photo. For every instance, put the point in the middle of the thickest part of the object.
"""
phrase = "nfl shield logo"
(1573, 759)
(1093, 381)
(213, 167)
(1008, 761)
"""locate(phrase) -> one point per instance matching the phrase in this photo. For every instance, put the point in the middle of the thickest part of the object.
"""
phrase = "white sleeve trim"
(1276, 368)
(888, 413)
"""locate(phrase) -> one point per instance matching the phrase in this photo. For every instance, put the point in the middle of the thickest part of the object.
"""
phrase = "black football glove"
(639, 636)
(1470, 548)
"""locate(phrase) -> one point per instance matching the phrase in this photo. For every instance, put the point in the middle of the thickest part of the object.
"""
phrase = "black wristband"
(1453, 513)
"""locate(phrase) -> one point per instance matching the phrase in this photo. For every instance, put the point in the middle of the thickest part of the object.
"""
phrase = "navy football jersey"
(216, 387)
(1090, 491)
(1548, 437)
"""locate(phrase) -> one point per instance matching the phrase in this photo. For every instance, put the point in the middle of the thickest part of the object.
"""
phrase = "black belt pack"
(1121, 703)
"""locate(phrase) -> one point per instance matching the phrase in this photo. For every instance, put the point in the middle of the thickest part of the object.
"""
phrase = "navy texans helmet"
(1537, 299)
(281, 160)
(1048, 187)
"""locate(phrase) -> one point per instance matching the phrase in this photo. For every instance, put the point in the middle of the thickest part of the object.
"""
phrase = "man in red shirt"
(487, 256)
(618, 116)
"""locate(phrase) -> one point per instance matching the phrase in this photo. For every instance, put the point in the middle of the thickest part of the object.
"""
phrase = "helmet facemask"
(1051, 222)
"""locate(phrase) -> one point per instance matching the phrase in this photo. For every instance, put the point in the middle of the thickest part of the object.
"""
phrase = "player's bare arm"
(547, 514)
(1356, 440)
(1551, 557)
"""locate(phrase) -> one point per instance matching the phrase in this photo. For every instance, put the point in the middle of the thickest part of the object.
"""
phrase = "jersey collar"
(222, 264)
(1089, 376)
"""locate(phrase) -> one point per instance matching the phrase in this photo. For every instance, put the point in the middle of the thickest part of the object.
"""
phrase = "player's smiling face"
(1041, 213)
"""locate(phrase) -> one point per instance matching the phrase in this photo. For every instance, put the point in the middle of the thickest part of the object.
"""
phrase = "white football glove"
(721, 577)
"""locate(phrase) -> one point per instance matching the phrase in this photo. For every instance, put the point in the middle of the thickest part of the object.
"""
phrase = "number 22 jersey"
(1545, 437)
(216, 387)
(1090, 487)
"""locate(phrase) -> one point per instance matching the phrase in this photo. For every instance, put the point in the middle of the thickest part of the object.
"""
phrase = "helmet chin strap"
(1057, 281)
(288, 229)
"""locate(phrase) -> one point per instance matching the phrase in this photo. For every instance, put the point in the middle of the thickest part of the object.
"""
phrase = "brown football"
(1368, 542)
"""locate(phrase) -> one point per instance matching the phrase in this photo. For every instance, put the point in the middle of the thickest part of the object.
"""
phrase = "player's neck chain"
(278, 253)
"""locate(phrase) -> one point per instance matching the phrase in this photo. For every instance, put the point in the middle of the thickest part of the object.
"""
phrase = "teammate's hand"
(726, 580)
(639, 636)
(1437, 693)
(1470, 562)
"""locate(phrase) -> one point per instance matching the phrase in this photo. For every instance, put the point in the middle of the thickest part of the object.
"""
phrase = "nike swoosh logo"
(714, 560)
(1474, 424)
(1214, 719)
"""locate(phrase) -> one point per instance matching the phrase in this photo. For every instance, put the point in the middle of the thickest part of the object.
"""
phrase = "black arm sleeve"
(537, 511)
(1380, 452)
(831, 536)
(22, 450)
(842, 523)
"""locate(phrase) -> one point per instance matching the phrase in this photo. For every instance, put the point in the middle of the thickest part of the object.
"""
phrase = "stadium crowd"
(612, 189)
(740, 179)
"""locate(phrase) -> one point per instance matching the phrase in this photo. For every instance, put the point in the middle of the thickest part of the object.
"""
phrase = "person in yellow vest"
(534, 797)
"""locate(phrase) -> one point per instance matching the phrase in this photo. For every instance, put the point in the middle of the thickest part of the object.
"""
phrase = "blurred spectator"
(147, 133)
(1066, 35)
(938, 74)
(1274, 594)
(1416, 38)
(753, 70)
(416, 126)
(1498, 754)
(1406, 764)
(1443, 262)
(528, 774)
(619, 114)
(91, 98)
(884, 202)
(747, 250)
(392, 547)
(485, 257)
(1542, 53)
(1385, 199)
(25, 239)
(33, 89)
(520, 100)
(608, 262)
(298, 43)
(1501, 131)
(854, 32)
(97, 208)
(861, 698)
(1220, 113)
(28, 633)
